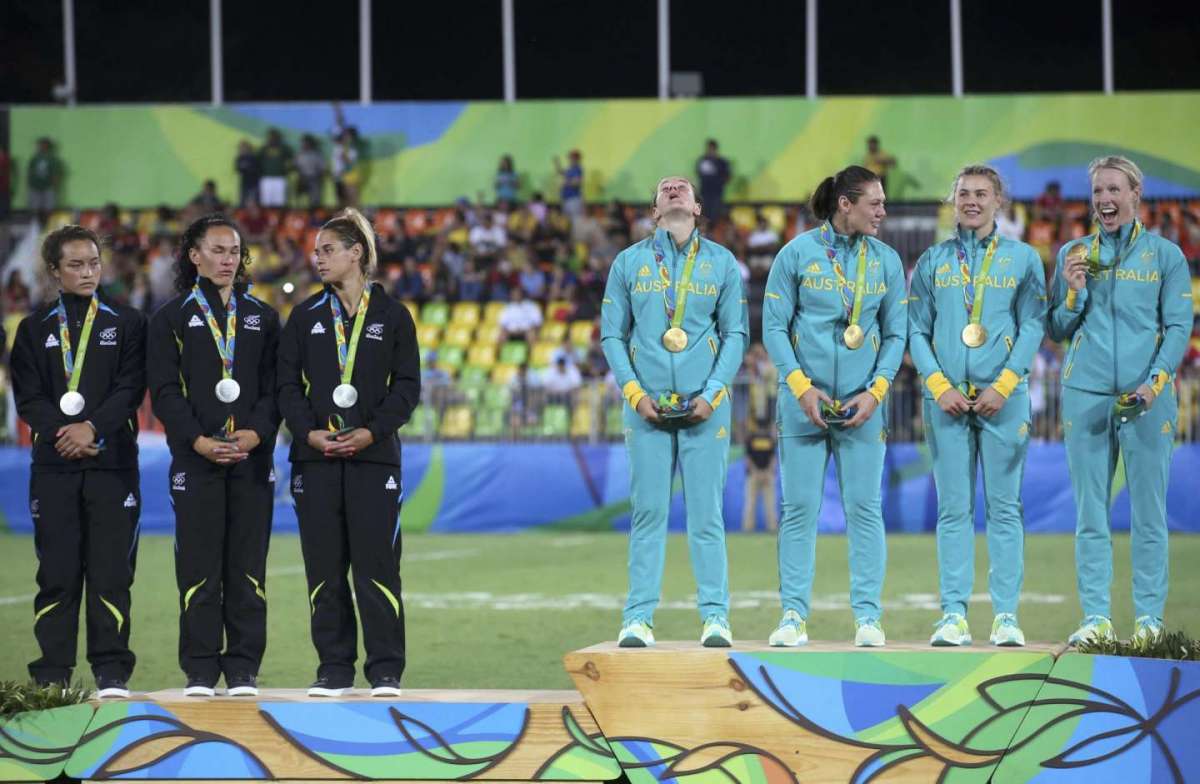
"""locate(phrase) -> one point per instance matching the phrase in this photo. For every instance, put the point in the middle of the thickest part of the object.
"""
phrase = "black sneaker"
(199, 687)
(386, 686)
(241, 685)
(325, 686)
(111, 688)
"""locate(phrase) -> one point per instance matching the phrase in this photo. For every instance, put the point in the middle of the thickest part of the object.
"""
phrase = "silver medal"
(345, 395)
(71, 403)
(228, 390)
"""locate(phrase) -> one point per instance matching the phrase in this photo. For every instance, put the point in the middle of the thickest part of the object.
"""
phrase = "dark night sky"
(133, 50)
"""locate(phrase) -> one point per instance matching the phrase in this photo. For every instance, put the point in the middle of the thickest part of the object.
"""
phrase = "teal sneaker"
(792, 631)
(951, 630)
(635, 634)
(716, 632)
(1146, 630)
(869, 634)
(1005, 631)
(1094, 627)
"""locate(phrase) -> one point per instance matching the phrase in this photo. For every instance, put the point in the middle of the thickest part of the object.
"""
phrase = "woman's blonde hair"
(1121, 164)
(353, 228)
(980, 170)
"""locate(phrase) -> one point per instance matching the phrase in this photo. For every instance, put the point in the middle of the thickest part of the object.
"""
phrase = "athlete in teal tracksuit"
(998, 284)
(1128, 320)
(812, 316)
(699, 281)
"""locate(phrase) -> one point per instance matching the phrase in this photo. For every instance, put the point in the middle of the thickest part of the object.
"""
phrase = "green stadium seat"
(497, 397)
(490, 423)
(514, 352)
(555, 422)
(424, 424)
(451, 357)
(435, 313)
(473, 375)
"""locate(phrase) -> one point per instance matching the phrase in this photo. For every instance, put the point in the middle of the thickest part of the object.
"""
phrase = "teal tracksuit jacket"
(804, 316)
(633, 320)
(1129, 327)
(1013, 312)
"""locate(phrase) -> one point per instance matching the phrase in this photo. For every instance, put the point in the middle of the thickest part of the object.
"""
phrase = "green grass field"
(499, 611)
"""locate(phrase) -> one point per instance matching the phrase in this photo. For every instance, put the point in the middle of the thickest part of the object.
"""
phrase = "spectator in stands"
(310, 169)
(507, 181)
(561, 378)
(17, 296)
(1048, 206)
(471, 283)
(42, 179)
(714, 173)
(162, 272)
(761, 246)
(432, 374)
(537, 207)
(571, 190)
(410, 285)
(343, 162)
(595, 364)
(206, 201)
(522, 412)
(520, 318)
(276, 160)
(249, 170)
(488, 239)
(760, 476)
(532, 281)
(878, 161)
(1010, 224)
(565, 351)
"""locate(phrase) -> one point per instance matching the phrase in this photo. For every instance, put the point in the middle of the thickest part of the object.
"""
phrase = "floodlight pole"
(956, 48)
(810, 49)
(509, 42)
(68, 8)
(664, 49)
(216, 57)
(1106, 30)
(364, 52)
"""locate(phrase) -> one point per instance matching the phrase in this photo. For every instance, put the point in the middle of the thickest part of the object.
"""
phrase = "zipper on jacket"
(1112, 309)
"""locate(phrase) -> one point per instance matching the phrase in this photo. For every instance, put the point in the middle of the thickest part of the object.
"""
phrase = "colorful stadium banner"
(487, 487)
(432, 153)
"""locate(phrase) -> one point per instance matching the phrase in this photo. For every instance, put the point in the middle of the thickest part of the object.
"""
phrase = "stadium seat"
(424, 423)
(456, 423)
(542, 352)
(60, 218)
(559, 310)
(514, 352)
(451, 358)
(491, 312)
(776, 217)
(581, 333)
(744, 217)
(465, 313)
(488, 333)
(497, 396)
(435, 313)
(581, 421)
(614, 423)
(429, 335)
(489, 423)
(457, 335)
(412, 310)
(503, 373)
(482, 354)
(472, 374)
(555, 422)
(553, 331)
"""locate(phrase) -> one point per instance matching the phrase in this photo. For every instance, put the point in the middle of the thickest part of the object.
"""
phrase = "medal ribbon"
(853, 310)
(675, 297)
(1118, 257)
(225, 345)
(72, 365)
(973, 292)
(346, 354)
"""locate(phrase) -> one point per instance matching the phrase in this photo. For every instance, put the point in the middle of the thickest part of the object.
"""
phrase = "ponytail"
(849, 182)
(353, 228)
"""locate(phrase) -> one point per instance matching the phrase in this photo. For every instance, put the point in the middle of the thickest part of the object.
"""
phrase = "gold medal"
(853, 336)
(974, 335)
(1077, 251)
(675, 339)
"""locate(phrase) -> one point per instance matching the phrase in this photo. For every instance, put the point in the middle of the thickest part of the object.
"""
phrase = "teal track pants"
(701, 453)
(858, 455)
(959, 447)
(1094, 441)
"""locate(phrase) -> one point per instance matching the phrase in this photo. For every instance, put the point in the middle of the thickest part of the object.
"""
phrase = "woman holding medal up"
(78, 376)
(1122, 296)
(834, 323)
(349, 377)
(674, 329)
(981, 300)
(212, 381)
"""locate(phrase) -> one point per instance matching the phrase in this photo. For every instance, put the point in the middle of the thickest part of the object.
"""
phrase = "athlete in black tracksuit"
(223, 504)
(85, 508)
(349, 507)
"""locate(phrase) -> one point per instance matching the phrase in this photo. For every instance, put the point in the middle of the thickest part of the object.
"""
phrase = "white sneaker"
(386, 687)
(198, 688)
(869, 634)
(950, 630)
(111, 689)
(326, 687)
(635, 634)
(792, 631)
(716, 633)
(1006, 633)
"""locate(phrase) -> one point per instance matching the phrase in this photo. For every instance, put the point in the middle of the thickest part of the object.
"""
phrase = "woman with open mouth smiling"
(1122, 296)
